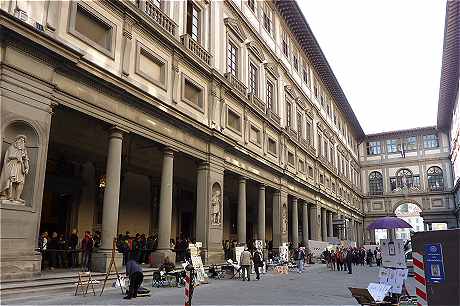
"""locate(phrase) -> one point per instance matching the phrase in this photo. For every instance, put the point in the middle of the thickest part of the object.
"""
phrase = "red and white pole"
(187, 289)
(420, 281)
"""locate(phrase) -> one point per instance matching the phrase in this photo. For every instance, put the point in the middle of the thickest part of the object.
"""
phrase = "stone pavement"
(317, 286)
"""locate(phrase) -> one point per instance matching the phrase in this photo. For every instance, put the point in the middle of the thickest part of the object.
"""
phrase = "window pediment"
(273, 69)
(291, 91)
(256, 50)
(236, 28)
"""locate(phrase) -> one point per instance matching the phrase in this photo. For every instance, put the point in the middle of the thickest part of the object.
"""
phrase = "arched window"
(375, 183)
(404, 178)
(435, 179)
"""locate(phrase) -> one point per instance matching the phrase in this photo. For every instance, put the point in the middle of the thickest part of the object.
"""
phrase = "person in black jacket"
(134, 272)
(258, 263)
(349, 260)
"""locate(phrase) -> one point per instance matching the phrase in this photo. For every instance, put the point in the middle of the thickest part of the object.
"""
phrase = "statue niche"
(284, 219)
(14, 171)
(216, 205)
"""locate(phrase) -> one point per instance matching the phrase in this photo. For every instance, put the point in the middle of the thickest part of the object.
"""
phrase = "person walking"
(258, 263)
(135, 275)
(245, 263)
(86, 249)
(301, 262)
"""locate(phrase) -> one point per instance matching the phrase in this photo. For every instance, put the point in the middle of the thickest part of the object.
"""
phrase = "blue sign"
(434, 264)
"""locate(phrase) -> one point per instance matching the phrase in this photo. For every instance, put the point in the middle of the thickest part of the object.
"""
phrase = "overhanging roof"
(448, 89)
(298, 25)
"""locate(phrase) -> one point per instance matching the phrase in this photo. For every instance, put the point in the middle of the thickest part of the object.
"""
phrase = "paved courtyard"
(317, 286)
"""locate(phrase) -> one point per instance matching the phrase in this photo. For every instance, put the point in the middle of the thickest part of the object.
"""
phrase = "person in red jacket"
(86, 249)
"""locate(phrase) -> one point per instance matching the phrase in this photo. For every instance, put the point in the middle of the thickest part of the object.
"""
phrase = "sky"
(386, 55)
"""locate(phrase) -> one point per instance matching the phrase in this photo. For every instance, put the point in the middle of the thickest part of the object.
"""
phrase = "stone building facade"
(407, 166)
(212, 120)
(139, 117)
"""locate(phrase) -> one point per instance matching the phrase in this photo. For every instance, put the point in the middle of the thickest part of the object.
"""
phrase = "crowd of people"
(59, 251)
(342, 258)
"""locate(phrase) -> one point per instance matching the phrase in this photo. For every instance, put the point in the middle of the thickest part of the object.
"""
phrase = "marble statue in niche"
(14, 171)
(284, 220)
(216, 205)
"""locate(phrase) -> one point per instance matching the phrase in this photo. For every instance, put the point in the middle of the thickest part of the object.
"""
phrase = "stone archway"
(404, 201)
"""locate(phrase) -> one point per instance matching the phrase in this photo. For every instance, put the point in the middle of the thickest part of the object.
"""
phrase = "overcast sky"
(386, 55)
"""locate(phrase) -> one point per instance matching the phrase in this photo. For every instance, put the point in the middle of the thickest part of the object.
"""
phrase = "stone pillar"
(276, 219)
(165, 211)
(295, 223)
(305, 223)
(261, 214)
(314, 224)
(202, 201)
(101, 259)
(241, 210)
(323, 225)
(330, 231)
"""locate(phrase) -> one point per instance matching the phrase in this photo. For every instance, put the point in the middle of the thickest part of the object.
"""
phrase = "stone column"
(314, 224)
(242, 210)
(261, 214)
(165, 211)
(101, 259)
(330, 231)
(305, 223)
(323, 225)
(295, 223)
(276, 220)
(202, 201)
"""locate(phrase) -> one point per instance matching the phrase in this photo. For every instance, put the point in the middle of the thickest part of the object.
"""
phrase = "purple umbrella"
(388, 223)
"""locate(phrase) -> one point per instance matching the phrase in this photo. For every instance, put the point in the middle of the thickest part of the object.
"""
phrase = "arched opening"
(410, 213)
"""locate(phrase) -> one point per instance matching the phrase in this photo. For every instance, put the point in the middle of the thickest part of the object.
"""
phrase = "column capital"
(261, 186)
(116, 132)
(203, 165)
(241, 179)
(294, 199)
(169, 151)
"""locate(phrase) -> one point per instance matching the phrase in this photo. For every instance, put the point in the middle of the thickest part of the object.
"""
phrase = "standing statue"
(15, 169)
(215, 207)
(284, 220)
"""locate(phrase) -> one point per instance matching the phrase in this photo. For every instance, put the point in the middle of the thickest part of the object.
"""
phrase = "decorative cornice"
(273, 69)
(256, 50)
(290, 89)
(236, 28)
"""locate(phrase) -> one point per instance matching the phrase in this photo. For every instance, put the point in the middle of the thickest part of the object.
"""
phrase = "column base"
(215, 256)
(158, 257)
(100, 261)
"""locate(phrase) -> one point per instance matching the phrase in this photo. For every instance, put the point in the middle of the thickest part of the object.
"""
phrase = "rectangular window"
(310, 171)
(271, 148)
(430, 141)
(392, 145)
(410, 143)
(285, 44)
(232, 59)
(150, 66)
(255, 135)
(328, 110)
(295, 60)
(269, 95)
(192, 93)
(306, 78)
(320, 145)
(308, 130)
(301, 166)
(193, 21)
(299, 124)
(325, 148)
(233, 120)
(252, 5)
(321, 179)
(315, 90)
(322, 100)
(267, 17)
(373, 148)
(332, 155)
(288, 114)
(92, 28)
(253, 79)
(291, 158)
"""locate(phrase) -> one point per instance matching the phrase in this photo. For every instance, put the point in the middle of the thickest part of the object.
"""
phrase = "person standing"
(86, 250)
(349, 260)
(73, 243)
(52, 250)
(245, 263)
(135, 275)
(258, 263)
(301, 262)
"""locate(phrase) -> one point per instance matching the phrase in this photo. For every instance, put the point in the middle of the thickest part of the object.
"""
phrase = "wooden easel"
(109, 270)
